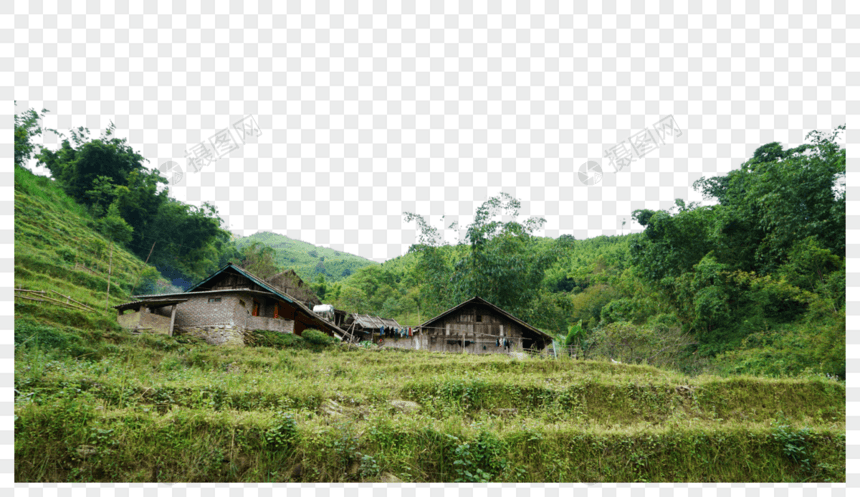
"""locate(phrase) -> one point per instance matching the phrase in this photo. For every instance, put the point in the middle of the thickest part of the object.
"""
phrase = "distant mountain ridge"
(308, 260)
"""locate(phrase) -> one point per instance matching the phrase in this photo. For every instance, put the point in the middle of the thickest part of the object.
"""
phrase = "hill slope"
(57, 250)
(306, 259)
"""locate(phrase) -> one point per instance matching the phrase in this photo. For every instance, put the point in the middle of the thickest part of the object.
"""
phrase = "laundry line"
(459, 332)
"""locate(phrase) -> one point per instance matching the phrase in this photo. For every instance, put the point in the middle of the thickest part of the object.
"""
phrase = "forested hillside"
(754, 284)
(307, 260)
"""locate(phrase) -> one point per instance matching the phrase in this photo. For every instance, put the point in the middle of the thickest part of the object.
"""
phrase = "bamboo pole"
(142, 270)
(70, 298)
(45, 294)
(54, 301)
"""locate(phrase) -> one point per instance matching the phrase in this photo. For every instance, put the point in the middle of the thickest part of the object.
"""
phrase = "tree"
(26, 128)
(101, 195)
(671, 244)
(113, 226)
(81, 160)
(319, 286)
(496, 260)
(778, 197)
(259, 260)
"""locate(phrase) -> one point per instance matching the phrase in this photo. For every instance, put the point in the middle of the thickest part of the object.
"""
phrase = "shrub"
(317, 337)
(656, 345)
(274, 339)
(283, 433)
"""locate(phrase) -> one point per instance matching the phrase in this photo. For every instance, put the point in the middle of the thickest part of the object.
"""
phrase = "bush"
(274, 339)
(657, 345)
(317, 337)
(311, 339)
(283, 433)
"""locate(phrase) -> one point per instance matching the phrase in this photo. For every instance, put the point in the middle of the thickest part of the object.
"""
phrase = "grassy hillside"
(56, 248)
(155, 409)
(307, 259)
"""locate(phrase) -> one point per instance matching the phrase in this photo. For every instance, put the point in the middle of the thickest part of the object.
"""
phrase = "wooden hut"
(479, 327)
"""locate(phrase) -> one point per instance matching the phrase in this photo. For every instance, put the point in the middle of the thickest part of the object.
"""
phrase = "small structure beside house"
(222, 307)
(479, 327)
(364, 327)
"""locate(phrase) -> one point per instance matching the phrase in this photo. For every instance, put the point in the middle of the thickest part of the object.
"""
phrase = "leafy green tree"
(101, 195)
(320, 287)
(259, 259)
(809, 264)
(113, 226)
(81, 160)
(575, 336)
(779, 197)
(496, 260)
(26, 128)
(671, 244)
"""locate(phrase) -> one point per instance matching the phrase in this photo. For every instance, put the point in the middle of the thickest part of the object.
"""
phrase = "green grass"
(152, 407)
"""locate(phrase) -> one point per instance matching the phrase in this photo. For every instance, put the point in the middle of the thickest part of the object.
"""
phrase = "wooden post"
(144, 263)
(172, 319)
(464, 342)
(110, 268)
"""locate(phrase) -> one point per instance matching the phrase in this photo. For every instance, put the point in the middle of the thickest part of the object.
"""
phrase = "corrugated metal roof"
(375, 322)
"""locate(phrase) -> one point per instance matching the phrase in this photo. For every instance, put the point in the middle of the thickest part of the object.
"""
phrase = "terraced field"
(152, 408)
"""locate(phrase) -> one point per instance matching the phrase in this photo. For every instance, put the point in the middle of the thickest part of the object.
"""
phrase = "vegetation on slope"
(151, 408)
(307, 260)
(754, 285)
(108, 178)
(58, 248)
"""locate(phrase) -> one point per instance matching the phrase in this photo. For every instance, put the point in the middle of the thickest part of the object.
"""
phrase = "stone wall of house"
(226, 321)
(219, 318)
(129, 320)
(146, 320)
(398, 342)
(215, 335)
